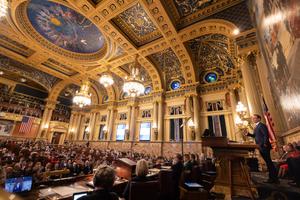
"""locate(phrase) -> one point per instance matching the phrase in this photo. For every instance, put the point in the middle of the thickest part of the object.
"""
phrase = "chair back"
(144, 190)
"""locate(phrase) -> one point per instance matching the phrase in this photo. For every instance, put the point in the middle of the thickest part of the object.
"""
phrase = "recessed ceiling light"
(23, 80)
(236, 31)
(1, 72)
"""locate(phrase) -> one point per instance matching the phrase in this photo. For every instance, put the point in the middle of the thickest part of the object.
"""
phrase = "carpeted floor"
(281, 191)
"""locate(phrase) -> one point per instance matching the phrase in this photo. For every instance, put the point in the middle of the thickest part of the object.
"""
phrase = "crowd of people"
(36, 158)
(289, 162)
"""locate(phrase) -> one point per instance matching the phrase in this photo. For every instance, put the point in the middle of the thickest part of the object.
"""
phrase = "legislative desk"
(233, 177)
(64, 188)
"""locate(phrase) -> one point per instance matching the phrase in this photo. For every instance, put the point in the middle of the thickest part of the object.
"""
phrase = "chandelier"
(3, 8)
(83, 97)
(133, 84)
(106, 80)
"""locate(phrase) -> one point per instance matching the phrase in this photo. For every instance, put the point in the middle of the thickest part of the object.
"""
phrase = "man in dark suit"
(261, 136)
(177, 168)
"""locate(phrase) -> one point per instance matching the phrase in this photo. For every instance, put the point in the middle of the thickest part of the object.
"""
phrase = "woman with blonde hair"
(141, 171)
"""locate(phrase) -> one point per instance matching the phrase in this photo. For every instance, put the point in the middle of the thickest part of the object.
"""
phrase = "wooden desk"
(80, 182)
(233, 178)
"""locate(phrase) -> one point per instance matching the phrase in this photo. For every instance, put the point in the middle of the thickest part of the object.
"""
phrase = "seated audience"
(290, 152)
(141, 172)
(103, 180)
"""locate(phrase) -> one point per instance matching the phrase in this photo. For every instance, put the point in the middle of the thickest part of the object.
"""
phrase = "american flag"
(270, 125)
(26, 124)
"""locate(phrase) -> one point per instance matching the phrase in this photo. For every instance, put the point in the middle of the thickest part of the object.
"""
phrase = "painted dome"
(64, 27)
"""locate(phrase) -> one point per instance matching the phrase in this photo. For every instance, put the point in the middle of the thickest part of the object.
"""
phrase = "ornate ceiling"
(59, 42)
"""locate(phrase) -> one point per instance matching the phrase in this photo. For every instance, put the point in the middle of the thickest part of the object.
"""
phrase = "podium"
(233, 177)
(125, 168)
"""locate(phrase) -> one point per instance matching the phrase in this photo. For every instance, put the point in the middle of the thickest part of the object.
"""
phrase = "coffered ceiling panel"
(168, 64)
(59, 67)
(186, 12)
(211, 56)
(44, 79)
(15, 46)
(137, 25)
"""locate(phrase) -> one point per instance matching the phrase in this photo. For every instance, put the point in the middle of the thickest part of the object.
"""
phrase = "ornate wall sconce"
(191, 126)
(105, 132)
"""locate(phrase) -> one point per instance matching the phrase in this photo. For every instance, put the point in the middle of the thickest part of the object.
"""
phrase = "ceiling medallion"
(3, 8)
(133, 84)
(106, 80)
(83, 97)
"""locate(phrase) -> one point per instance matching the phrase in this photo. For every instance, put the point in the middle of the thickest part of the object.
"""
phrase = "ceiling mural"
(44, 79)
(211, 56)
(62, 42)
(168, 63)
(64, 27)
(187, 7)
(187, 12)
(137, 25)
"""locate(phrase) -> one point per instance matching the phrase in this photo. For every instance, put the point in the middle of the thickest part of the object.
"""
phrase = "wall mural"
(64, 27)
(279, 34)
(6, 127)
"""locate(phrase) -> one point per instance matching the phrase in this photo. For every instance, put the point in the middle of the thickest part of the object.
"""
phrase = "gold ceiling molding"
(163, 22)
(209, 26)
(20, 18)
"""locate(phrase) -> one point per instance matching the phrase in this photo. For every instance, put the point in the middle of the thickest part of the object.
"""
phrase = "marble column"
(252, 92)
(81, 127)
(96, 127)
(235, 135)
(196, 117)
(189, 115)
(70, 128)
(155, 120)
(128, 124)
(111, 124)
(46, 118)
(132, 123)
(160, 123)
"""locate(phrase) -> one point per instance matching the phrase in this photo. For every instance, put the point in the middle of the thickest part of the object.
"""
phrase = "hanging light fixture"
(83, 97)
(106, 80)
(3, 8)
(133, 84)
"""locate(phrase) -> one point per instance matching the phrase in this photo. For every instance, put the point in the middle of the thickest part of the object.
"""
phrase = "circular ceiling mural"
(64, 27)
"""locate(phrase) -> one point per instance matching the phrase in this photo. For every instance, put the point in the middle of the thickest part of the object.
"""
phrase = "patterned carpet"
(267, 191)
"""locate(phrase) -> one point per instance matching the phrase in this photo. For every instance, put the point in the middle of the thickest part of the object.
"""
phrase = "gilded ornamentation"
(137, 25)
(64, 27)
(169, 64)
(44, 79)
(187, 7)
(15, 46)
(61, 68)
